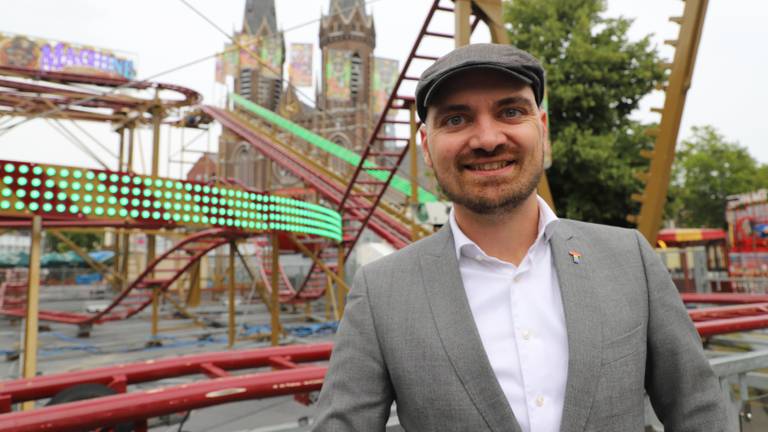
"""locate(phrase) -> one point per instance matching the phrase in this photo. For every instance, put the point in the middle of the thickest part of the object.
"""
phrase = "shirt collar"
(546, 217)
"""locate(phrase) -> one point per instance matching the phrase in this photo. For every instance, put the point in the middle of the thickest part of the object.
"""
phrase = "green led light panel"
(89, 194)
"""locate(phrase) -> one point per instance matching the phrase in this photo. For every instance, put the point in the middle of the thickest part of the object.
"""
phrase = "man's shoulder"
(595, 230)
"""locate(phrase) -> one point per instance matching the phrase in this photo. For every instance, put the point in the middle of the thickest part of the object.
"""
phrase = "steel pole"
(231, 296)
(29, 368)
(275, 280)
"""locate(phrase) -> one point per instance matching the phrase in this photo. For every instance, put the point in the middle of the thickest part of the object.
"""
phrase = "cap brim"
(433, 90)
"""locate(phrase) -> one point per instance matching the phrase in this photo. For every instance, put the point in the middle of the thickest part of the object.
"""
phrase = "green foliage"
(595, 79)
(707, 169)
(87, 241)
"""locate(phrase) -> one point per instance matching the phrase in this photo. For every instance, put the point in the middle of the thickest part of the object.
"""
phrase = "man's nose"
(487, 134)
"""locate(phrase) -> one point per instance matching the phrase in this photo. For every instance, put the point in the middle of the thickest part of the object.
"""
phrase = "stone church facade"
(346, 121)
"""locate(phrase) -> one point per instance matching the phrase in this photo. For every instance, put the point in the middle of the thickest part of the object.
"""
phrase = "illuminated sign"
(80, 193)
(39, 54)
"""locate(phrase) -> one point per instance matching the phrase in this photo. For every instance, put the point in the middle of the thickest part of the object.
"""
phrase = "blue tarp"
(54, 259)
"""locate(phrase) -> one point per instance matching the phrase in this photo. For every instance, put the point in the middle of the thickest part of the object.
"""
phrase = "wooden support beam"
(29, 361)
(657, 185)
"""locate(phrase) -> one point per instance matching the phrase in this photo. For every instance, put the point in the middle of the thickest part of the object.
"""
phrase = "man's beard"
(510, 200)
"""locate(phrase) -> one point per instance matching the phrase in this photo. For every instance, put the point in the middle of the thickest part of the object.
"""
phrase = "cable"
(103, 147)
(58, 127)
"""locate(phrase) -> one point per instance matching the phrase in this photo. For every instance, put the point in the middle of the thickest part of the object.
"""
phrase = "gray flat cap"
(519, 64)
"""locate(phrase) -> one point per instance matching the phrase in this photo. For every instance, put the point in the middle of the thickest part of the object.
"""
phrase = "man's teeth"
(489, 166)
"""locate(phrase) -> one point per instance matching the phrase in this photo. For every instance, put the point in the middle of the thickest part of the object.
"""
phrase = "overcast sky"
(729, 83)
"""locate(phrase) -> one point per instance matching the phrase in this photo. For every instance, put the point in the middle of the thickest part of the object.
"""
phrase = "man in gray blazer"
(510, 319)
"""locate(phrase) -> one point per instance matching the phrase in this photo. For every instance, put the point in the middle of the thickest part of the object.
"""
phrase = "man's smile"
(491, 167)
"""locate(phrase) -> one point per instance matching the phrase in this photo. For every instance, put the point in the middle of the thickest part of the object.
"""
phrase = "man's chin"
(490, 206)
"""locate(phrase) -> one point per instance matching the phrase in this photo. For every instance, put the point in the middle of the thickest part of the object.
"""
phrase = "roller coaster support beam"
(654, 196)
(338, 279)
(29, 366)
(231, 324)
(125, 257)
(101, 268)
(154, 340)
(275, 338)
(488, 10)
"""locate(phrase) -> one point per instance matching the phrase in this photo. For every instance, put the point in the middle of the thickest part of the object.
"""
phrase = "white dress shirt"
(518, 311)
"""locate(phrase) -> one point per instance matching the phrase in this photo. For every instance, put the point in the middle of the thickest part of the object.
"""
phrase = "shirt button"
(517, 277)
(479, 258)
(540, 401)
(526, 334)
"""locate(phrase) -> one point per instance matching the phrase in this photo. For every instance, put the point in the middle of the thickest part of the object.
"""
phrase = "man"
(509, 319)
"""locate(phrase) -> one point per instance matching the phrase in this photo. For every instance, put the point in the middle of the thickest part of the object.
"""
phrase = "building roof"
(345, 6)
(256, 13)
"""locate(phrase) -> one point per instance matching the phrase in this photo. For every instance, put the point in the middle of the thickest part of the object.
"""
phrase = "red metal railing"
(296, 374)
(137, 295)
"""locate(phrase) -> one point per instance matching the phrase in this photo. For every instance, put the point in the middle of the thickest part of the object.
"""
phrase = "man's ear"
(425, 146)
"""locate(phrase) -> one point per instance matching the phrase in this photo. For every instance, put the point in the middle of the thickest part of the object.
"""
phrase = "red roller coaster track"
(159, 274)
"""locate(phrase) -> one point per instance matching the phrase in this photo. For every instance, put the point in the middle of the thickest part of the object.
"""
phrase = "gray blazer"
(408, 335)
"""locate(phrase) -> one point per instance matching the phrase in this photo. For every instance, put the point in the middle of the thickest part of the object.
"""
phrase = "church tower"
(347, 40)
(261, 80)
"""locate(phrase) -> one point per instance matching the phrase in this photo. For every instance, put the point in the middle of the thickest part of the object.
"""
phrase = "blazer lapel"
(458, 332)
(582, 318)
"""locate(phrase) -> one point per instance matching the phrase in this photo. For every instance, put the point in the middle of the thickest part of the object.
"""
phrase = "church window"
(356, 75)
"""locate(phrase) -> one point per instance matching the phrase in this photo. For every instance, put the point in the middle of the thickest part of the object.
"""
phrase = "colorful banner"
(231, 60)
(338, 73)
(300, 65)
(220, 69)
(249, 51)
(385, 73)
(39, 54)
(271, 55)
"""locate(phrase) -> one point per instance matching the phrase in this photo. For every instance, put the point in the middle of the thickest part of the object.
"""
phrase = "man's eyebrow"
(515, 100)
(440, 109)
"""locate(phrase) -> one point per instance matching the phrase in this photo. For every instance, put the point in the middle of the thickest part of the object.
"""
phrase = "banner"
(385, 73)
(39, 54)
(271, 55)
(338, 73)
(249, 51)
(231, 60)
(220, 69)
(300, 65)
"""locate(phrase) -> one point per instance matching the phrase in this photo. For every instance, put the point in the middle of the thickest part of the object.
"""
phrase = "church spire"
(259, 13)
(345, 7)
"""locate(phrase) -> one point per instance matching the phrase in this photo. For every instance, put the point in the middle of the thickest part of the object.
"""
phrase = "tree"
(707, 169)
(86, 241)
(595, 79)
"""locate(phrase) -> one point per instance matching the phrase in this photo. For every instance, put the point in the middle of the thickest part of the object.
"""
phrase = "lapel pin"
(575, 255)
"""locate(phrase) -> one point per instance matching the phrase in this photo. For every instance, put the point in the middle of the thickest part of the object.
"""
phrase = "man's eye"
(456, 120)
(511, 112)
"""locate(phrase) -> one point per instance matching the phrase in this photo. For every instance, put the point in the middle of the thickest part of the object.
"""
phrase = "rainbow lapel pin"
(576, 256)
